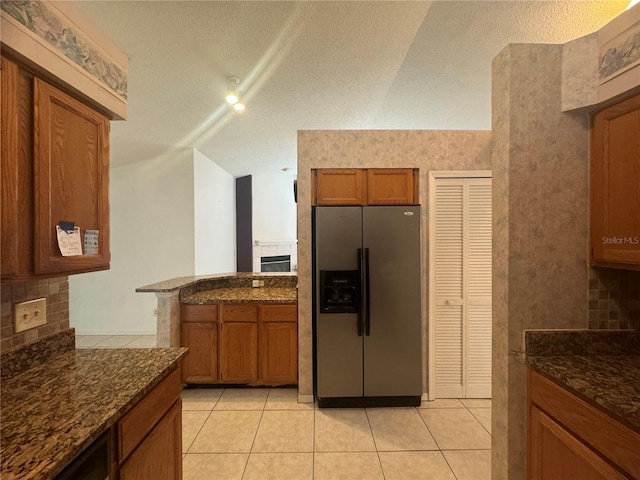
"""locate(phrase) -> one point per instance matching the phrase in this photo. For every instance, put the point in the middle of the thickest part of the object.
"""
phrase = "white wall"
(152, 239)
(214, 216)
(274, 209)
(171, 216)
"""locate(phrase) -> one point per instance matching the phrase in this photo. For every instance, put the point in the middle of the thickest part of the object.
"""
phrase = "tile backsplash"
(55, 290)
(614, 299)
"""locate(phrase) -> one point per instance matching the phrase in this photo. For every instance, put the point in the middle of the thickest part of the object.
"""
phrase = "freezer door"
(393, 348)
(338, 346)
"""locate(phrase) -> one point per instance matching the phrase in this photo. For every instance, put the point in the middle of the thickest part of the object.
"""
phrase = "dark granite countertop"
(219, 279)
(53, 411)
(239, 294)
(601, 367)
(609, 382)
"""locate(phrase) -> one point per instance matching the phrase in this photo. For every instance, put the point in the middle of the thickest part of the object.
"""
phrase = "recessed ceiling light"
(232, 90)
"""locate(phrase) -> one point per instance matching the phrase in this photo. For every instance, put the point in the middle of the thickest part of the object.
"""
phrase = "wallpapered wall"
(425, 150)
(540, 226)
(55, 290)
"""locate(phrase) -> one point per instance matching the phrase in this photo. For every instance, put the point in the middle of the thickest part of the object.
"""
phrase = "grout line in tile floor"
(384, 453)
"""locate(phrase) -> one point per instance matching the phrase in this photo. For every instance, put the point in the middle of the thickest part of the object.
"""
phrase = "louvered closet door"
(462, 287)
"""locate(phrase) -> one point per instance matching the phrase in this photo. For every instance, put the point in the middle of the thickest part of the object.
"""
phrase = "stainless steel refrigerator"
(367, 326)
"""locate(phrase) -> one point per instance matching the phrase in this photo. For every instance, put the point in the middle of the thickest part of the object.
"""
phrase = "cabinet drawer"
(279, 313)
(231, 312)
(198, 313)
(609, 437)
(138, 422)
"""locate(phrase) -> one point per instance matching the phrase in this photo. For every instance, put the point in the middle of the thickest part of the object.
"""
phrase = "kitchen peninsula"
(106, 400)
(240, 328)
(275, 288)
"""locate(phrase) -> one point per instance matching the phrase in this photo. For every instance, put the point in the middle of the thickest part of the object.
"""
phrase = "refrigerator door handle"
(361, 311)
(367, 318)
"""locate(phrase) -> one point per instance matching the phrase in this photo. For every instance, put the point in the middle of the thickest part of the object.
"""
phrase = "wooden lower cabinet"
(278, 344)
(157, 458)
(245, 343)
(555, 454)
(149, 437)
(238, 352)
(199, 333)
(278, 352)
(201, 363)
(569, 439)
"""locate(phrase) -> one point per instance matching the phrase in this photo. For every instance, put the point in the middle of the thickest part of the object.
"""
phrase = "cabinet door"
(615, 186)
(71, 175)
(201, 363)
(238, 352)
(159, 456)
(340, 187)
(16, 134)
(555, 454)
(390, 186)
(278, 352)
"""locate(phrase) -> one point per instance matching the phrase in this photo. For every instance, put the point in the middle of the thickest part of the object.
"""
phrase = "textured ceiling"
(314, 65)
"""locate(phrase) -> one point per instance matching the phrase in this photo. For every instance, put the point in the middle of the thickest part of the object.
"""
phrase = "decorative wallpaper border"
(43, 22)
(622, 56)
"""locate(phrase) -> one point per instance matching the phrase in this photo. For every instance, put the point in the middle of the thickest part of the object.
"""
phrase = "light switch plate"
(31, 314)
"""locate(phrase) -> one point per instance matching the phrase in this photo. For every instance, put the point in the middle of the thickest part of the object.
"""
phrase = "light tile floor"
(264, 433)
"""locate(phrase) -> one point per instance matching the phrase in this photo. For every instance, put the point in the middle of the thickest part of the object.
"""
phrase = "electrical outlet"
(155, 312)
(32, 314)
(255, 283)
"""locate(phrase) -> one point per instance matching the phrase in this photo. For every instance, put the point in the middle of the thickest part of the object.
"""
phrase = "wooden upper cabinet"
(374, 186)
(71, 153)
(615, 186)
(55, 166)
(16, 147)
(390, 186)
(340, 187)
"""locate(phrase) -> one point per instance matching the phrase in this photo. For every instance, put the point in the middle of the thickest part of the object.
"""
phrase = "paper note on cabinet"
(69, 242)
(91, 242)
